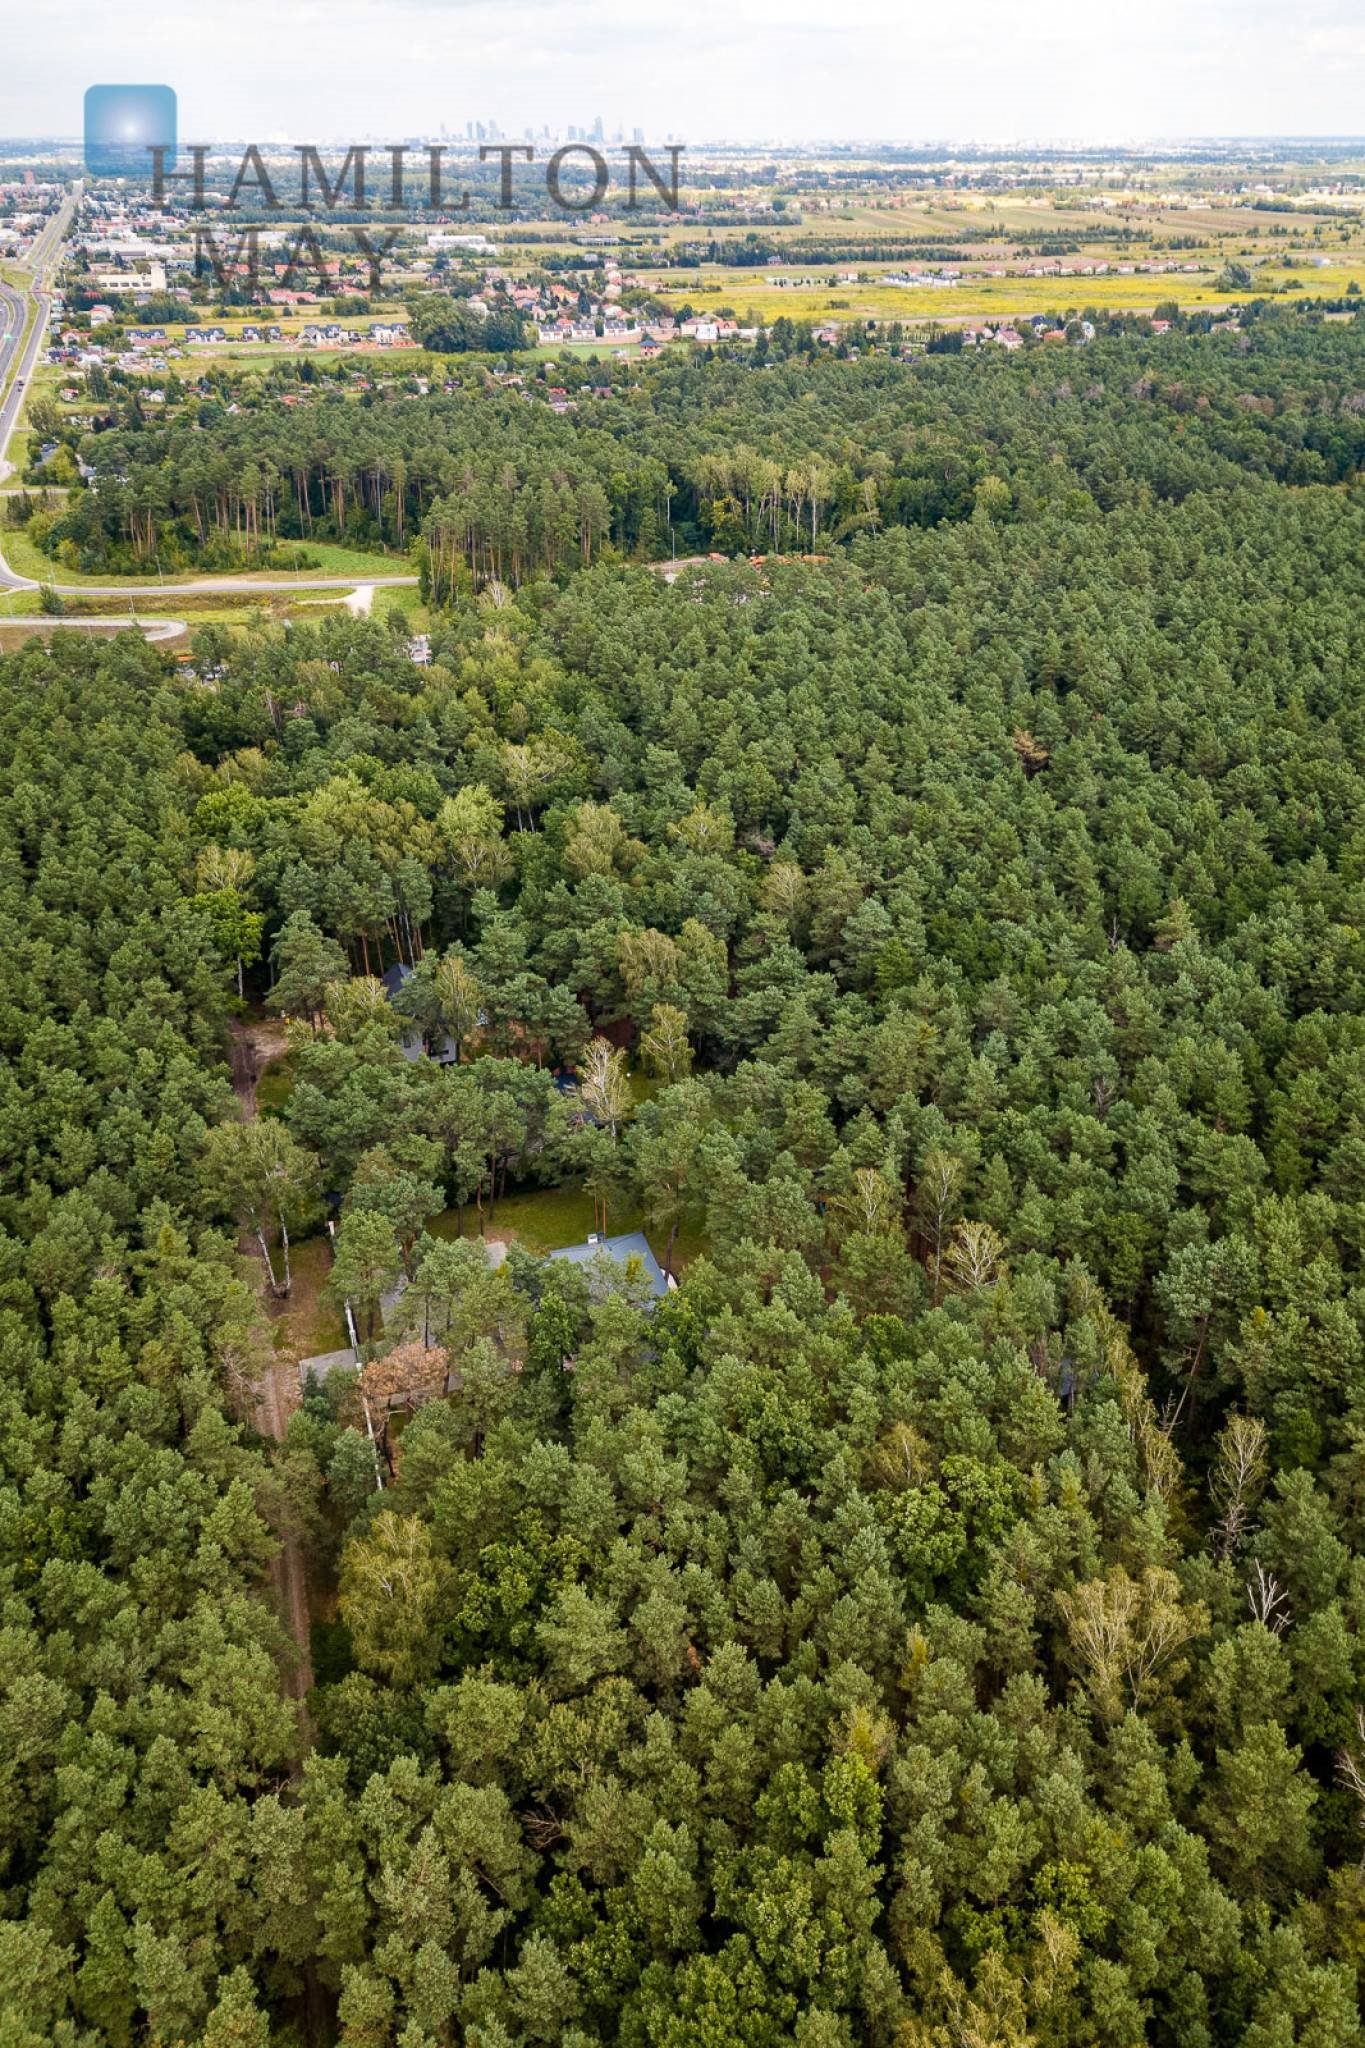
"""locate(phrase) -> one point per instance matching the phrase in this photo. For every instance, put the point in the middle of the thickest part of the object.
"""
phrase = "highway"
(40, 259)
(12, 310)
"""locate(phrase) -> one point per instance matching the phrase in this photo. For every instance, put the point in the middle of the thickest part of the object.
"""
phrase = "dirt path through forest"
(254, 1046)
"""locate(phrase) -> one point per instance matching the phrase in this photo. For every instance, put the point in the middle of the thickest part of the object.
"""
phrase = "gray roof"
(324, 1362)
(633, 1244)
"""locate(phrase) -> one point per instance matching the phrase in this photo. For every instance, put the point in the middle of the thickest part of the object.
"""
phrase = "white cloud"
(784, 69)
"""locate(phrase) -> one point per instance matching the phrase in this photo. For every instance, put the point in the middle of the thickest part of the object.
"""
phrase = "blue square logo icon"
(123, 124)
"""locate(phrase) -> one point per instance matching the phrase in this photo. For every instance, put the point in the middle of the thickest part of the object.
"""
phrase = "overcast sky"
(785, 70)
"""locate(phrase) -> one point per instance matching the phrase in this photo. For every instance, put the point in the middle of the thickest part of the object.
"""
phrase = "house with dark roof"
(630, 1251)
(394, 979)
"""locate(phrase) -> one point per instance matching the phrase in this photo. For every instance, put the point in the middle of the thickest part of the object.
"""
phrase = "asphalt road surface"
(151, 629)
(40, 259)
(12, 313)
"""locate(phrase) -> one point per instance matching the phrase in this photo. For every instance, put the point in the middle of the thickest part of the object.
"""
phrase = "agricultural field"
(874, 214)
(760, 295)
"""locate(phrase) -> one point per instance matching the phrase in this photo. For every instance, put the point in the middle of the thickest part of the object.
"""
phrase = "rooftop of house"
(632, 1244)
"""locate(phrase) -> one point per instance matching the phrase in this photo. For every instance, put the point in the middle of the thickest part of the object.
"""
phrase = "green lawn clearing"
(307, 1323)
(324, 558)
(546, 1219)
(275, 1084)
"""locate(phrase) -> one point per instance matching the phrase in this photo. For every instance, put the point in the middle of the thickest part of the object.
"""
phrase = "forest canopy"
(941, 1618)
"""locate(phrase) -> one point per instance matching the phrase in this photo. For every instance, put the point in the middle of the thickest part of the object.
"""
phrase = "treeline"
(505, 486)
(219, 485)
(757, 248)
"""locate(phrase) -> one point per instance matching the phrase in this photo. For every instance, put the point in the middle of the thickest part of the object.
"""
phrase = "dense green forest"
(782, 447)
(940, 1623)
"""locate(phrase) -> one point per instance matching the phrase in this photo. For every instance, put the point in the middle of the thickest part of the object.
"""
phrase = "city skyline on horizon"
(616, 135)
(781, 73)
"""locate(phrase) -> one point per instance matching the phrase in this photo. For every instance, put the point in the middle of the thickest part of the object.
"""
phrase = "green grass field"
(546, 1219)
(275, 1085)
(754, 293)
(334, 560)
(307, 1323)
(542, 1219)
(407, 600)
(198, 607)
(581, 351)
(328, 560)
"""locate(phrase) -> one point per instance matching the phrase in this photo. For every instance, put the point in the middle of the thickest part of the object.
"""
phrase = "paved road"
(40, 260)
(54, 231)
(12, 311)
(151, 629)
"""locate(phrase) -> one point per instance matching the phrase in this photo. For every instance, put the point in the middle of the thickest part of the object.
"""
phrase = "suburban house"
(631, 1250)
(392, 980)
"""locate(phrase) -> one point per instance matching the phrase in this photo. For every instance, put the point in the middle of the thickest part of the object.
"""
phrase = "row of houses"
(385, 333)
(382, 333)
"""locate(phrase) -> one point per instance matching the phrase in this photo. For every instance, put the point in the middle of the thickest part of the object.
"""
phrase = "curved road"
(151, 629)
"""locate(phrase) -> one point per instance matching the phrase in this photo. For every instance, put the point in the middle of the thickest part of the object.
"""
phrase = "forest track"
(254, 1045)
(277, 1395)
